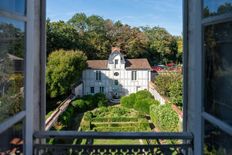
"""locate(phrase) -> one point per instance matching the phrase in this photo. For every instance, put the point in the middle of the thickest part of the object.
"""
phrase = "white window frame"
(133, 75)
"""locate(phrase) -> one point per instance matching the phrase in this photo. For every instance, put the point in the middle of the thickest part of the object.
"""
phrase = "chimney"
(113, 49)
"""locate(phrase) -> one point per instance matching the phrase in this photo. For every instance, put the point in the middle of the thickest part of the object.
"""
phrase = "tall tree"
(64, 68)
(161, 43)
(61, 35)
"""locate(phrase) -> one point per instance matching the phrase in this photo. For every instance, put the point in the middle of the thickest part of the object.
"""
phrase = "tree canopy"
(64, 68)
(95, 36)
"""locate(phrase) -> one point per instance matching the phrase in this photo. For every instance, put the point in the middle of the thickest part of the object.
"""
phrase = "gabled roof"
(113, 55)
(131, 64)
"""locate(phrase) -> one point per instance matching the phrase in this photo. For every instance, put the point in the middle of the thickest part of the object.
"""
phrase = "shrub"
(164, 117)
(101, 99)
(142, 94)
(80, 105)
(175, 91)
(170, 85)
(128, 101)
(143, 105)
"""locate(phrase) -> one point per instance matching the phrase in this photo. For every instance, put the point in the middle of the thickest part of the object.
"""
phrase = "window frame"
(208, 21)
(102, 89)
(92, 91)
(26, 115)
(133, 75)
(205, 116)
(98, 75)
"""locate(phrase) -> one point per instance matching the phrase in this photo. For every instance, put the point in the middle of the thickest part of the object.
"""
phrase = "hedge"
(120, 129)
(128, 101)
(89, 102)
(165, 118)
(143, 105)
(115, 119)
(140, 101)
(170, 85)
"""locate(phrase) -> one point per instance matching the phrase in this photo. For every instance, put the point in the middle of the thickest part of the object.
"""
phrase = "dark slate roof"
(131, 64)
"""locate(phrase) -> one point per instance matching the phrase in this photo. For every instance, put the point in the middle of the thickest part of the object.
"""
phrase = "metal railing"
(71, 143)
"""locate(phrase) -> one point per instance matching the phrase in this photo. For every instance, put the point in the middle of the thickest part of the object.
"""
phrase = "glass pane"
(11, 67)
(216, 7)
(12, 140)
(218, 71)
(216, 142)
(17, 6)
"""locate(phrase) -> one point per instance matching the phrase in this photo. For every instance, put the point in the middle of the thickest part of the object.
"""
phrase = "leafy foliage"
(164, 117)
(114, 118)
(95, 36)
(170, 85)
(64, 68)
(140, 101)
(90, 102)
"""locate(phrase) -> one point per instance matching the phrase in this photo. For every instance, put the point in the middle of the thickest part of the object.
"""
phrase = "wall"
(126, 85)
(78, 90)
(156, 95)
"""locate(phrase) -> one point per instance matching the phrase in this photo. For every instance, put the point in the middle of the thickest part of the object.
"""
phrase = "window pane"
(216, 7)
(11, 67)
(17, 6)
(12, 140)
(216, 141)
(218, 71)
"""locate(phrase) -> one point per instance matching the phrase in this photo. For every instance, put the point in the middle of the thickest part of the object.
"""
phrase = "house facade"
(116, 76)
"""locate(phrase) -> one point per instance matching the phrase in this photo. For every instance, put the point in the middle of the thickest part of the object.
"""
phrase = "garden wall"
(155, 93)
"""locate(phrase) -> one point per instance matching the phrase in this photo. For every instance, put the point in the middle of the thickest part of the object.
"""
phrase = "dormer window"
(115, 63)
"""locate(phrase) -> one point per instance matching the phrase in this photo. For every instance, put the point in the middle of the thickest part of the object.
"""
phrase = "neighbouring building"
(116, 76)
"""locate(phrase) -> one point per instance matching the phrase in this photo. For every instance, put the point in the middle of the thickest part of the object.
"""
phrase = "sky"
(163, 13)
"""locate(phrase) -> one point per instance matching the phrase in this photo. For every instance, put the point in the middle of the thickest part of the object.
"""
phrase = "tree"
(61, 35)
(64, 68)
(179, 41)
(161, 44)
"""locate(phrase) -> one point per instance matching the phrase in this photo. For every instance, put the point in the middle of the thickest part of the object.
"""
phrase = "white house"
(116, 76)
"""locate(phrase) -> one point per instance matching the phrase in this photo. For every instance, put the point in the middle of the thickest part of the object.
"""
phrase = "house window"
(116, 82)
(92, 90)
(134, 75)
(115, 63)
(98, 75)
(101, 89)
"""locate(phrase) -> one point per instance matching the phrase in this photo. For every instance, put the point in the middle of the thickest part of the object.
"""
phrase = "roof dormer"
(116, 59)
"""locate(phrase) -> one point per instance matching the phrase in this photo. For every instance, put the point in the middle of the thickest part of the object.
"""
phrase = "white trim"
(29, 91)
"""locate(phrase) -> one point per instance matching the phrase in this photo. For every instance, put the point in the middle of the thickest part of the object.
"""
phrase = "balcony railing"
(156, 143)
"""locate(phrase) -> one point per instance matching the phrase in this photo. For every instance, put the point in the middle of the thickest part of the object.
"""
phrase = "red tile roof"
(137, 64)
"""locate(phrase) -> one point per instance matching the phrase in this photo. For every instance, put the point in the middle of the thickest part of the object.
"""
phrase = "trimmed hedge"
(143, 105)
(128, 101)
(140, 101)
(115, 119)
(121, 129)
(165, 118)
(89, 102)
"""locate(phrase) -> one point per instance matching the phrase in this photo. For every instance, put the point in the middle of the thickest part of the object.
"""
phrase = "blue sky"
(163, 13)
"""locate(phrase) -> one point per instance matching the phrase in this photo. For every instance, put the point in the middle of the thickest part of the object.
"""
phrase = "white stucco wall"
(126, 84)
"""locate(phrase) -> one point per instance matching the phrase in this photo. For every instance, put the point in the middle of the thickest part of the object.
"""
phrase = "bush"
(143, 105)
(142, 94)
(128, 101)
(164, 117)
(80, 105)
(101, 99)
(170, 85)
